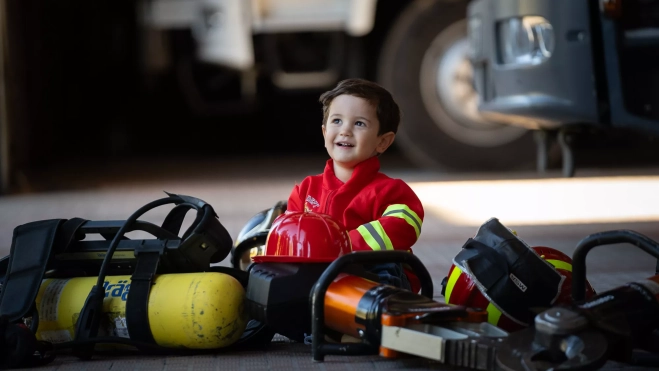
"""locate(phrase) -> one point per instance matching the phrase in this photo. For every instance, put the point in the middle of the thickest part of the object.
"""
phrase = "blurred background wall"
(86, 80)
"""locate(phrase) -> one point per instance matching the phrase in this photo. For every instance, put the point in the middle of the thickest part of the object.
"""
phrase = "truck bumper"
(545, 93)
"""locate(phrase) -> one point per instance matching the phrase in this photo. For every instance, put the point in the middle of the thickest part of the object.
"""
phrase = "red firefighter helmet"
(305, 237)
(460, 289)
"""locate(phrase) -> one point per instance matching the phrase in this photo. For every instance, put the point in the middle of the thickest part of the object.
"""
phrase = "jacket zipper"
(328, 200)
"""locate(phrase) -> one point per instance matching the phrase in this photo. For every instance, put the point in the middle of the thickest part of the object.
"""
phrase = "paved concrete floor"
(239, 189)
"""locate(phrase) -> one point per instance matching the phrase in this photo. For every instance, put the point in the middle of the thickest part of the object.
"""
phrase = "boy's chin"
(346, 164)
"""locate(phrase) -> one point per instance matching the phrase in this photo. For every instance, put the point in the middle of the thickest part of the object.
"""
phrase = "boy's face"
(351, 131)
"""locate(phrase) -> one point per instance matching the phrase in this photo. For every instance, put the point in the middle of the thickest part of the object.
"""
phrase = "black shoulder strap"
(67, 233)
(31, 248)
(174, 219)
(23, 269)
(137, 303)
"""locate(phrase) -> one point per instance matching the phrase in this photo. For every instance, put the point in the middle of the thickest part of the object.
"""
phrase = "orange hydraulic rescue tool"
(386, 320)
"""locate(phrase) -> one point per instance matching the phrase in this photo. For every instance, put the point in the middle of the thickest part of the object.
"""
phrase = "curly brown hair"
(385, 106)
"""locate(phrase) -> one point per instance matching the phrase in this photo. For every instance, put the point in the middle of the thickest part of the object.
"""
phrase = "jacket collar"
(364, 172)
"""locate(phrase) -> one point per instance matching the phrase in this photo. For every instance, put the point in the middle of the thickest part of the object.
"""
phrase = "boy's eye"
(336, 121)
(360, 123)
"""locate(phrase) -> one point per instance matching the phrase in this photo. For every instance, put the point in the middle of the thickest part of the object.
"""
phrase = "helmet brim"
(289, 259)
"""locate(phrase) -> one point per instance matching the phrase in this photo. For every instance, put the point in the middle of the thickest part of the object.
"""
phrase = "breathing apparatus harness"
(56, 247)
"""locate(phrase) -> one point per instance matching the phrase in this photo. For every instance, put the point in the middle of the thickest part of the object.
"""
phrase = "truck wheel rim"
(449, 96)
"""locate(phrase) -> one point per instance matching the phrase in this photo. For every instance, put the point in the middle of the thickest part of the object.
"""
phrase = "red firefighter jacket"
(379, 212)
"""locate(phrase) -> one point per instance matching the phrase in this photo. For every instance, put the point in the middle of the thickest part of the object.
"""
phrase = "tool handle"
(628, 314)
(604, 238)
(319, 348)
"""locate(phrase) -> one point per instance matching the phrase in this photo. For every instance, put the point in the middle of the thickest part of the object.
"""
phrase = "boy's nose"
(345, 131)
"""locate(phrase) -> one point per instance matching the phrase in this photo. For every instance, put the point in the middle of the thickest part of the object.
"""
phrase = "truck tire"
(424, 63)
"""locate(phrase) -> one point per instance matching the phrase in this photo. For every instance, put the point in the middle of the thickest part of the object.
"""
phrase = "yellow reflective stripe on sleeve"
(404, 212)
(375, 236)
(452, 279)
(493, 314)
(559, 264)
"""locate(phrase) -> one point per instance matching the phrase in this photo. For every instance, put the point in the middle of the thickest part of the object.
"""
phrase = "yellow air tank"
(186, 310)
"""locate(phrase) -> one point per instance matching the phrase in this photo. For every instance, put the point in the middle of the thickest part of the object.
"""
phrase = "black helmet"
(253, 235)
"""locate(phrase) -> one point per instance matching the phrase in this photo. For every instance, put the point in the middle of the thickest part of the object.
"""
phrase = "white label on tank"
(120, 327)
(50, 300)
(56, 336)
(650, 285)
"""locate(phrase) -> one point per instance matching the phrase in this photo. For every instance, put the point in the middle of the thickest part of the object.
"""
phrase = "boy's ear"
(384, 141)
(324, 128)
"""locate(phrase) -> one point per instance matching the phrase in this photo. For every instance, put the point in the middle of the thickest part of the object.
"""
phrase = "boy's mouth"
(344, 144)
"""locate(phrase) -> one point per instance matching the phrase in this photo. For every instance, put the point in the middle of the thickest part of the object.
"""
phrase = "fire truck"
(569, 70)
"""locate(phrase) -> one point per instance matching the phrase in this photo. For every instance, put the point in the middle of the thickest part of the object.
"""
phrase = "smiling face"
(351, 132)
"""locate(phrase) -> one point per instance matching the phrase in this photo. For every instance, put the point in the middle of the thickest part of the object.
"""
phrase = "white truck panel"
(171, 14)
(224, 34)
(353, 16)
(224, 28)
(361, 17)
(356, 17)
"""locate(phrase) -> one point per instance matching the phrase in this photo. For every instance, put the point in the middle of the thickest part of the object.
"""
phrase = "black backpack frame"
(57, 248)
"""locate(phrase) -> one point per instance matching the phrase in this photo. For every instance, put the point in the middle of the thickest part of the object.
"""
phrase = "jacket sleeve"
(295, 202)
(397, 221)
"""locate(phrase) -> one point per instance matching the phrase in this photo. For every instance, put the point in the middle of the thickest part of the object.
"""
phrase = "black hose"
(125, 228)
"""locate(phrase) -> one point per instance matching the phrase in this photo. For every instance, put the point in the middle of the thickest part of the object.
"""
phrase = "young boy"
(360, 120)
